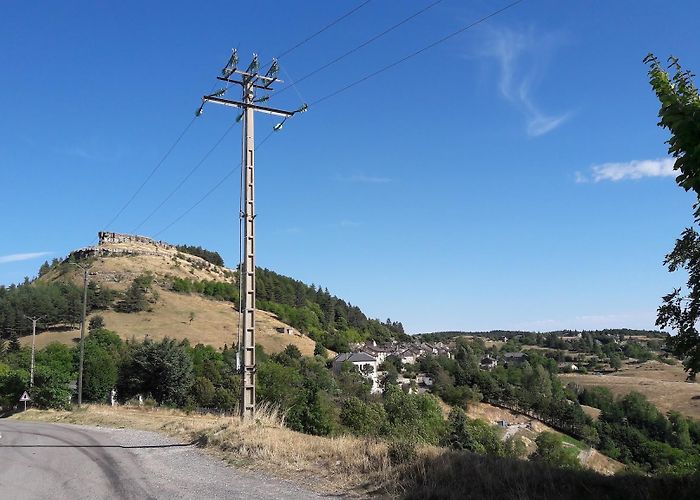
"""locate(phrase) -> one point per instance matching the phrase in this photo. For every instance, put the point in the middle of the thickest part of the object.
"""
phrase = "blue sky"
(511, 177)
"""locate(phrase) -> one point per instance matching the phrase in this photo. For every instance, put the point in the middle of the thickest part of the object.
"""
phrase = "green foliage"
(319, 350)
(216, 289)
(208, 255)
(362, 418)
(473, 435)
(100, 373)
(412, 416)
(162, 369)
(551, 450)
(680, 115)
(97, 322)
(51, 388)
(402, 452)
(13, 383)
(637, 351)
(134, 299)
(101, 364)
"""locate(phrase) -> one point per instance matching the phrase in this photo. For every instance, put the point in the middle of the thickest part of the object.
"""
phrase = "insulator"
(278, 127)
(231, 64)
(263, 98)
(239, 117)
(254, 65)
(219, 92)
(303, 109)
(200, 110)
(274, 69)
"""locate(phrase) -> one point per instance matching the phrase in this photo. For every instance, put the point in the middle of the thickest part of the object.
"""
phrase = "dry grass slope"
(662, 384)
(215, 322)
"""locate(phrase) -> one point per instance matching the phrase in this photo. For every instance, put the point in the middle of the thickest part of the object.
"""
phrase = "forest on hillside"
(314, 311)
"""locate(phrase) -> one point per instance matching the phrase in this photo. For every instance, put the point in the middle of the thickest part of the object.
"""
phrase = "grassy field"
(358, 467)
(664, 385)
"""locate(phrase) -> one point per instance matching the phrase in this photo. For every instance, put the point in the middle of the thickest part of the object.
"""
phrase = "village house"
(365, 364)
(488, 363)
(514, 359)
(567, 367)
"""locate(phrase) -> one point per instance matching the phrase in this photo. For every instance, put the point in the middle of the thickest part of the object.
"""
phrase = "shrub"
(550, 450)
(402, 452)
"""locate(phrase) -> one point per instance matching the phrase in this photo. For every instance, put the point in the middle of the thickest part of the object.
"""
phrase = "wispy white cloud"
(18, 257)
(364, 179)
(635, 169)
(520, 57)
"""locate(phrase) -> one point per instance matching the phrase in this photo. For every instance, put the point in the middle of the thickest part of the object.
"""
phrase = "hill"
(142, 287)
(120, 259)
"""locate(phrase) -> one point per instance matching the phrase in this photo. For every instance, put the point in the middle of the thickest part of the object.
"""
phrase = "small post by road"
(24, 398)
(31, 367)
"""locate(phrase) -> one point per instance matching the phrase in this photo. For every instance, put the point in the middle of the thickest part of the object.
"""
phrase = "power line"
(333, 23)
(189, 174)
(209, 193)
(148, 177)
(347, 87)
(420, 51)
(362, 45)
(284, 53)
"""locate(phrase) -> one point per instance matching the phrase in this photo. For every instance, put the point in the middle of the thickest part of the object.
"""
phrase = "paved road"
(58, 461)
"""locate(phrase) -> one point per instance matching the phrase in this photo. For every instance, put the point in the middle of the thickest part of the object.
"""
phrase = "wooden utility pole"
(250, 81)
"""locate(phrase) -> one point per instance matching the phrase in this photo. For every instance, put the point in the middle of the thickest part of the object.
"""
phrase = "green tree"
(134, 299)
(550, 450)
(162, 369)
(363, 419)
(680, 115)
(319, 350)
(100, 372)
(97, 322)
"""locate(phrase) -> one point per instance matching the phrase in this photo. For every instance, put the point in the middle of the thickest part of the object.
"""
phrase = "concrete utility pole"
(250, 81)
(31, 367)
(82, 333)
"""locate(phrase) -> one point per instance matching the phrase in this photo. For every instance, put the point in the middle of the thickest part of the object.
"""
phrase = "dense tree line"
(324, 317)
(313, 311)
(531, 388)
(634, 431)
(208, 255)
(56, 303)
(527, 336)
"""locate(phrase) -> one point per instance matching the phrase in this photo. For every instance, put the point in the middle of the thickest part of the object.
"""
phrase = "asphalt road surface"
(58, 461)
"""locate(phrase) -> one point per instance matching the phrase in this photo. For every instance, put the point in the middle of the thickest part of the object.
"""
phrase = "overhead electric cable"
(209, 193)
(184, 179)
(362, 45)
(420, 51)
(148, 177)
(330, 25)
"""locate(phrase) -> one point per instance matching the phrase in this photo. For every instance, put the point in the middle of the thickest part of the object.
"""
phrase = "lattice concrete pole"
(248, 390)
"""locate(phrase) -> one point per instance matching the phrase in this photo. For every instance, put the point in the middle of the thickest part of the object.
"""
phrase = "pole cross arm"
(242, 105)
(238, 82)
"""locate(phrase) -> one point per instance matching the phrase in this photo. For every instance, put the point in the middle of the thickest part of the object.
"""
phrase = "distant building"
(514, 358)
(488, 363)
(567, 367)
(365, 364)
(424, 379)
